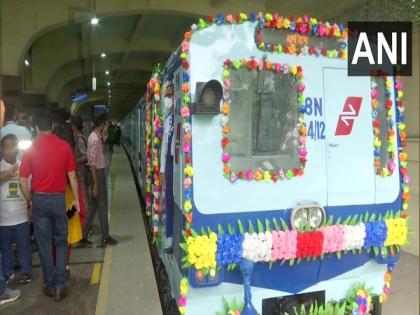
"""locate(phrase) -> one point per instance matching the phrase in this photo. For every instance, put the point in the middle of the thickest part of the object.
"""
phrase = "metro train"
(290, 185)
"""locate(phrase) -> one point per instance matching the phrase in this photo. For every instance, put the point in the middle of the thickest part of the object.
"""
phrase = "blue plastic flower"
(292, 26)
(220, 19)
(375, 234)
(251, 17)
(377, 152)
(185, 77)
(229, 249)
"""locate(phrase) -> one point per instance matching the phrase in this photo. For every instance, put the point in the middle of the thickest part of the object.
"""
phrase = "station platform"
(121, 279)
(111, 280)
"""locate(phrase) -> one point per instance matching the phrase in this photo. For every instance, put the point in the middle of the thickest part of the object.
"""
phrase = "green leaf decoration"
(384, 251)
(397, 214)
(347, 220)
(194, 233)
(250, 227)
(267, 225)
(234, 305)
(276, 224)
(366, 218)
(380, 217)
(270, 265)
(338, 221)
(241, 227)
(291, 262)
(186, 265)
(338, 255)
(369, 250)
(376, 250)
(295, 312)
(283, 224)
(372, 217)
(231, 229)
(302, 310)
(183, 246)
(184, 236)
(226, 305)
(354, 220)
(330, 220)
(260, 226)
(311, 309)
(316, 308)
(203, 231)
(298, 261)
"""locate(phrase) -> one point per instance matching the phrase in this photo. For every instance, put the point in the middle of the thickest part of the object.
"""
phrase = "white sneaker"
(9, 296)
(10, 278)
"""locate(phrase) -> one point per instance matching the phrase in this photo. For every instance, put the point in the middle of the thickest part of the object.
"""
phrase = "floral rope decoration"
(300, 25)
(386, 292)
(183, 292)
(153, 143)
(149, 168)
(305, 26)
(258, 175)
(209, 251)
(390, 166)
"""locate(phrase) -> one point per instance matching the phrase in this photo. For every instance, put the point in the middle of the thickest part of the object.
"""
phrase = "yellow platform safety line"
(96, 273)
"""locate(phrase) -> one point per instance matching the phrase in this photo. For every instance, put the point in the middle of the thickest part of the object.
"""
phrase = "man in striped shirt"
(99, 195)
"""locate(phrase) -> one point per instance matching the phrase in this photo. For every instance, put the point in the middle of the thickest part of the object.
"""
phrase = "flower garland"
(386, 292)
(206, 251)
(300, 25)
(258, 175)
(149, 169)
(390, 166)
(359, 300)
(153, 188)
(183, 292)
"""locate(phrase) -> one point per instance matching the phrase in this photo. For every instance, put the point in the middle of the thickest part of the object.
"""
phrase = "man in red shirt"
(49, 161)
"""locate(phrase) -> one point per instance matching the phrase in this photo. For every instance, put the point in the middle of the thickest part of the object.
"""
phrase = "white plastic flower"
(354, 236)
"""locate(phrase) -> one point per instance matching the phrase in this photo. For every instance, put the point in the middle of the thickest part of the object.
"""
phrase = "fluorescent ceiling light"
(103, 55)
(94, 20)
(26, 62)
(108, 83)
(107, 72)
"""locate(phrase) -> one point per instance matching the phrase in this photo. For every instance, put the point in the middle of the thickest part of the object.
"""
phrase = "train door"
(349, 139)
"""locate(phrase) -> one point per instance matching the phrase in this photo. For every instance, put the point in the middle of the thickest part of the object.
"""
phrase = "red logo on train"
(350, 112)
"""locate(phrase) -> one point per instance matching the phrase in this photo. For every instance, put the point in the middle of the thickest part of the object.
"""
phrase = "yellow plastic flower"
(400, 94)
(243, 16)
(181, 310)
(388, 83)
(286, 23)
(189, 171)
(192, 259)
(377, 143)
(213, 237)
(293, 70)
(268, 17)
(267, 176)
(187, 206)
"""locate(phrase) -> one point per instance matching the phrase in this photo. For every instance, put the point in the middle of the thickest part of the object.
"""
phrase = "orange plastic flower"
(226, 169)
(225, 129)
(268, 65)
(279, 23)
(387, 277)
(187, 137)
(185, 88)
(226, 108)
(406, 196)
(188, 217)
(292, 49)
(303, 131)
(374, 103)
(187, 35)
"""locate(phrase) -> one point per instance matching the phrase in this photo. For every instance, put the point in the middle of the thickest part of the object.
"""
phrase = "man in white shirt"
(11, 127)
(14, 220)
(166, 162)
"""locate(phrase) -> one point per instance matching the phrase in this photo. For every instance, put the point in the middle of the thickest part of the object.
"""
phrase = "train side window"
(382, 116)
(263, 120)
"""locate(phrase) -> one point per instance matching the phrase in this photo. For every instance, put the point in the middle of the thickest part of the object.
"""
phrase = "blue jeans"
(50, 223)
(2, 281)
(20, 235)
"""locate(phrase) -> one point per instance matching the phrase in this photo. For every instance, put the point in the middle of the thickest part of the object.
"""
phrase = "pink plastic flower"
(185, 46)
(260, 65)
(187, 147)
(229, 18)
(182, 301)
(374, 93)
(391, 165)
(399, 85)
(277, 67)
(321, 30)
(301, 88)
(187, 182)
(302, 139)
(303, 152)
(333, 238)
(284, 245)
(227, 84)
(225, 157)
(185, 112)
(248, 174)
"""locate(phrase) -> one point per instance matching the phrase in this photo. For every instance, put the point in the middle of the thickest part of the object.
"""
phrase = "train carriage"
(289, 176)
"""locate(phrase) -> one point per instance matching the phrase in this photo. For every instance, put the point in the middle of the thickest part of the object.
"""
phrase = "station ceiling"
(63, 59)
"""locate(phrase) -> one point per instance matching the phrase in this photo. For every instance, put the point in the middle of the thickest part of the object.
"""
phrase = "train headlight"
(24, 144)
(299, 218)
(207, 97)
(307, 217)
(316, 216)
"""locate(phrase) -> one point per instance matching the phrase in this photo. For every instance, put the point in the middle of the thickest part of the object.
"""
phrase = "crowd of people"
(52, 183)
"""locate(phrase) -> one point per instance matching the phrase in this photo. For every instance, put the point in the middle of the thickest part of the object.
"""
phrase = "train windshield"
(263, 120)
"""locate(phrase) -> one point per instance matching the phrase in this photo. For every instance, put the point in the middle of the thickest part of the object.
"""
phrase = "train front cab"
(339, 175)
